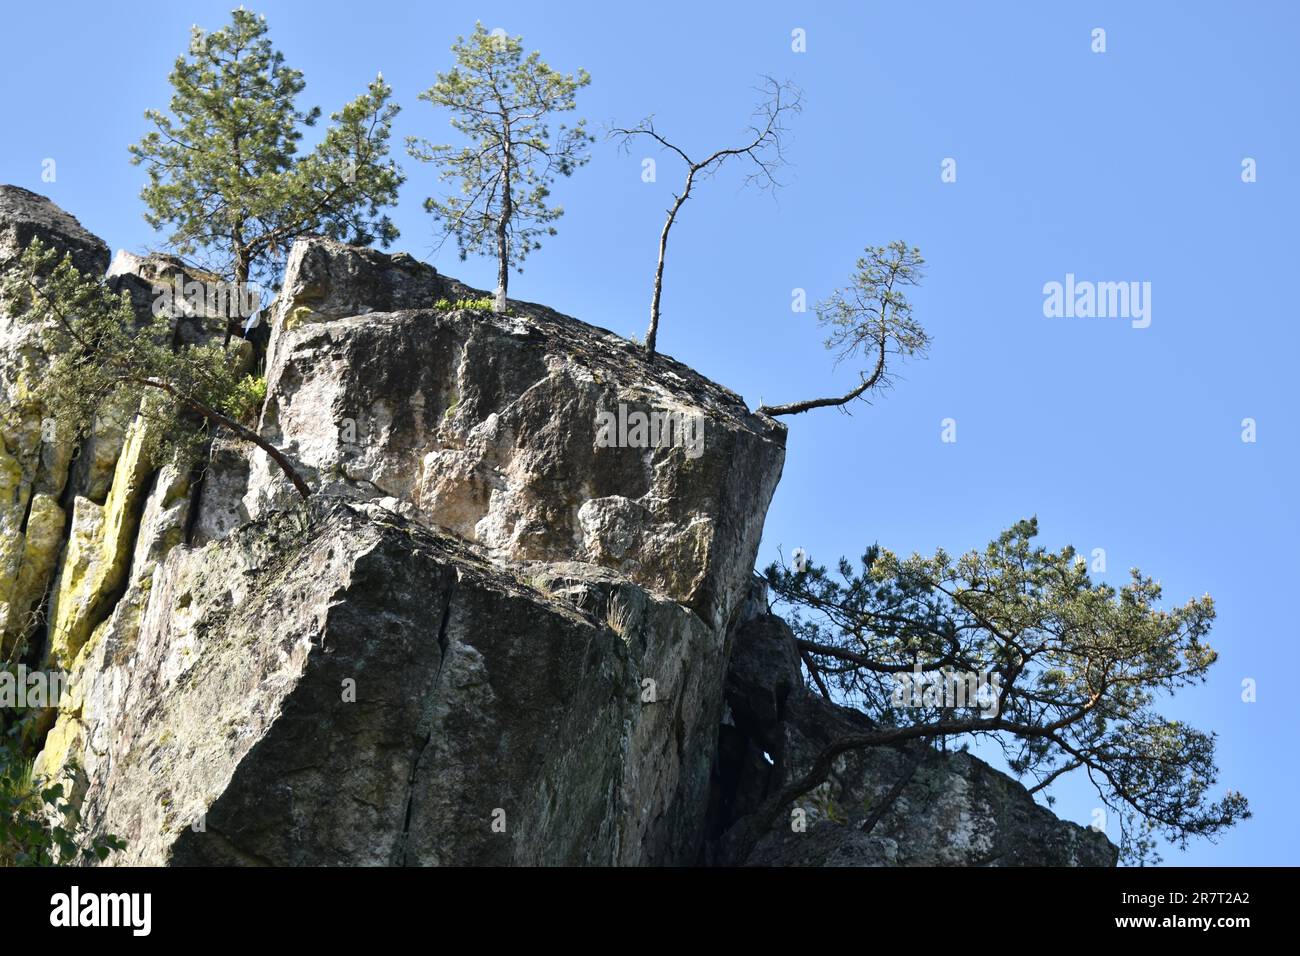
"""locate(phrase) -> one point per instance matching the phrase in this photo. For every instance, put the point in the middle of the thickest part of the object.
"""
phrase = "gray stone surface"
(220, 505)
(482, 694)
(487, 425)
(153, 281)
(25, 215)
(326, 279)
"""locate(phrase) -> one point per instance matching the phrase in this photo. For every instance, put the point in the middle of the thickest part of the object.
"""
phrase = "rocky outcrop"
(952, 809)
(338, 685)
(558, 662)
(25, 215)
(324, 280)
(488, 426)
(71, 514)
(198, 302)
(497, 633)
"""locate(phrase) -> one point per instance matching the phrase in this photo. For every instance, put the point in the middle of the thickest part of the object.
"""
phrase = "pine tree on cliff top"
(224, 170)
(501, 101)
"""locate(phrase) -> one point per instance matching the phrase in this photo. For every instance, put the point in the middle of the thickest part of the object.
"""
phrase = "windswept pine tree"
(225, 173)
(871, 320)
(1016, 646)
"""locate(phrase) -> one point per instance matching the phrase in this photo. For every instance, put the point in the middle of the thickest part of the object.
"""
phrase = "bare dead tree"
(765, 149)
(873, 316)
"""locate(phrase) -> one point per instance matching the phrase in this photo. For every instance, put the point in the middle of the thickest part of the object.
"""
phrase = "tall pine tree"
(502, 101)
(224, 169)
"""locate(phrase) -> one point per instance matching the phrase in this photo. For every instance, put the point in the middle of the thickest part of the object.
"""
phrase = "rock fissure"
(443, 651)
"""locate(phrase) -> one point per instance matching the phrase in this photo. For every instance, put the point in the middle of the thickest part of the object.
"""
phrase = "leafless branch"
(764, 147)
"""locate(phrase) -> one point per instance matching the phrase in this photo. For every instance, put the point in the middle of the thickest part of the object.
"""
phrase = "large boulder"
(491, 428)
(954, 810)
(493, 635)
(325, 279)
(338, 685)
(540, 687)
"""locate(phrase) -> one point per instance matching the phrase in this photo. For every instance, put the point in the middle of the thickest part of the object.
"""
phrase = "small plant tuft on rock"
(481, 304)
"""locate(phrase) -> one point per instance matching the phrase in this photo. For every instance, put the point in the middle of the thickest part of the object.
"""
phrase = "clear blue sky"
(1115, 167)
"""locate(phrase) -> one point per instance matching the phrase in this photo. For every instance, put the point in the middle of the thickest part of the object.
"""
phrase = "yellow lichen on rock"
(64, 741)
(13, 503)
(95, 689)
(99, 551)
(302, 315)
(40, 552)
(100, 452)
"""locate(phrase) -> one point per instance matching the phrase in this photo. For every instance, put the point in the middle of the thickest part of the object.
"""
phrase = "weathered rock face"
(336, 685)
(70, 528)
(955, 810)
(99, 554)
(324, 280)
(567, 678)
(488, 427)
(219, 509)
(189, 295)
(492, 636)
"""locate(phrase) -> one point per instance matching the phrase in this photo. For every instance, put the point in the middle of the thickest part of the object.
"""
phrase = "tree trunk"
(652, 333)
(248, 434)
(242, 268)
(798, 408)
(503, 225)
(919, 752)
(503, 271)
(739, 841)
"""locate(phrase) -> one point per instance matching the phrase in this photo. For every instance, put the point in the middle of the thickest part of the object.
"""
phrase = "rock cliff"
(489, 636)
